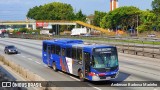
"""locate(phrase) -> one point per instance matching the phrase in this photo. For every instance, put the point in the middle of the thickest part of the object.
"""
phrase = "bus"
(91, 62)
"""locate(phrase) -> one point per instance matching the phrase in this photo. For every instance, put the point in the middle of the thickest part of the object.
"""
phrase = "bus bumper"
(104, 78)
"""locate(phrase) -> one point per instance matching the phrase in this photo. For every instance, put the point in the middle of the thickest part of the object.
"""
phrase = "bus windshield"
(104, 58)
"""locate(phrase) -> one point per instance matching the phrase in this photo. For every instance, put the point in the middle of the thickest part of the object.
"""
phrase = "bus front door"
(86, 62)
(48, 54)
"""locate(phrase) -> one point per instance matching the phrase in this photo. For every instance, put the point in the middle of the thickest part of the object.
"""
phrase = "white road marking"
(45, 65)
(60, 72)
(155, 89)
(37, 62)
(94, 87)
(30, 59)
(24, 48)
(74, 78)
(23, 56)
(69, 76)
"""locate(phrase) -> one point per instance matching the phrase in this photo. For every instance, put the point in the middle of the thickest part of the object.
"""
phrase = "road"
(132, 68)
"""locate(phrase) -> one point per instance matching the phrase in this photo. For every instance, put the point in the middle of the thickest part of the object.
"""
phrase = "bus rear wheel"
(81, 76)
(54, 66)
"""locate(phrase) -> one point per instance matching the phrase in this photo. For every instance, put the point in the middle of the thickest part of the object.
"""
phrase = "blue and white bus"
(92, 62)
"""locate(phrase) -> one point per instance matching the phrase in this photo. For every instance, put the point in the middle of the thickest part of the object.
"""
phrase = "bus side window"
(53, 49)
(68, 52)
(74, 53)
(44, 47)
(58, 50)
(79, 54)
(63, 52)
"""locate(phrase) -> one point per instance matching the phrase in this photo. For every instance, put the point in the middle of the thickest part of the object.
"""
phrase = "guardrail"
(25, 73)
(130, 47)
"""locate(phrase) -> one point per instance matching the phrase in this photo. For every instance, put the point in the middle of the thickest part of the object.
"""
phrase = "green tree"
(156, 6)
(124, 17)
(98, 17)
(156, 9)
(147, 21)
(80, 16)
(52, 11)
(23, 30)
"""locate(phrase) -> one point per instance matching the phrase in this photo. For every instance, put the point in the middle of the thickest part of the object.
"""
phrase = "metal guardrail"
(149, 50)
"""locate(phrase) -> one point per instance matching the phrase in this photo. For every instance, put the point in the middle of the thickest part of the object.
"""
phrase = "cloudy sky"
(17, 9)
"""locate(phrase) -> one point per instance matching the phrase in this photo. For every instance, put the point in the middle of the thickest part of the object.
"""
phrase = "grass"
(103, 39)
(114, 40)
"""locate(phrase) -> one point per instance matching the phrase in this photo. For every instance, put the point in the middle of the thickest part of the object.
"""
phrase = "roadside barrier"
(129, 48)
(25, 73)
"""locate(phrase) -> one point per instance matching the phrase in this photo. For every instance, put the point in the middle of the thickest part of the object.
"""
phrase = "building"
(89, 19)
(113, 4)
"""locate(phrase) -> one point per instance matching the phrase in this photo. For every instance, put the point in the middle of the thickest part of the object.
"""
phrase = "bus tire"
(54, 67)
(81, 76)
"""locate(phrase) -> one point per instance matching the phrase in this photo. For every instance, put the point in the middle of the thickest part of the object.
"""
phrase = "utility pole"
(137, 24)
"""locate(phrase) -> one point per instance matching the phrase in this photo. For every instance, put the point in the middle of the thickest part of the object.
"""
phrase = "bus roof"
(76, 43)
(64, 41)
(91, 46)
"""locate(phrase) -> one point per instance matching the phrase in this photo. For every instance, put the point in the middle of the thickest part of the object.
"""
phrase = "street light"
(137, 24)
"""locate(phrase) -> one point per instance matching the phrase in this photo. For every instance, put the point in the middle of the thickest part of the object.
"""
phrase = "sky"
(17, 9)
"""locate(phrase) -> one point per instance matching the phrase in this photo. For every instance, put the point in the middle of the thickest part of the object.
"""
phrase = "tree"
(80, 16)
(98, 17)
(23, 30)
(124, 17)
(52, 11)
(156, 6)
(147, 21)
(156, 10)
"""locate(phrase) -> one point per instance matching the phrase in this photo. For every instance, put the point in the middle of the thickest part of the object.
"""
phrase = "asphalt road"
(132, 68)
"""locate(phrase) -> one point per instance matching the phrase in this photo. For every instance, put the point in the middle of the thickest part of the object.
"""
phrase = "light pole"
(137, 24)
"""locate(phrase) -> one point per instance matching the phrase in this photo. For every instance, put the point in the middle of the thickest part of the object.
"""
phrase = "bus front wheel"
(54, 66)
(81, 76)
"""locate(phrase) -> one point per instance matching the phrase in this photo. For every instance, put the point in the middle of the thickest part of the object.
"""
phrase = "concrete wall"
(25, 73)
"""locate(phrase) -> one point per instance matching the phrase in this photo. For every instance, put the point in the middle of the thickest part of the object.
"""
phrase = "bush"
(23, 30)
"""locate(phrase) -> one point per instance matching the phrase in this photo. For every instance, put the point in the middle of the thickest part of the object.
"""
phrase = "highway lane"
(132, 68)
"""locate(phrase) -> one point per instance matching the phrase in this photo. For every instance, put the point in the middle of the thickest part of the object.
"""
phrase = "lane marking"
(60, 72)
(74, 78)
(94, 87)
(23, 56)
(155, 89)
(37, 62)
(45, 65)
(30, 59)
(145, 63)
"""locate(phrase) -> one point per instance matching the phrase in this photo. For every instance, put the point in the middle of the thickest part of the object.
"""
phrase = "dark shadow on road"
(6, 76)
(121, 77)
